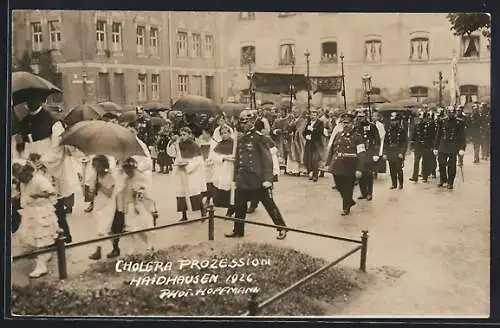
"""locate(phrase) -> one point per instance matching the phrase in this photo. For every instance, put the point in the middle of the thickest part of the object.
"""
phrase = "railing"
(254, 307)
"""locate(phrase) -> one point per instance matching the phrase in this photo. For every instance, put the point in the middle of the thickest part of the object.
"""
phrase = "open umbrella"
(84, 112)
(233, 109)
(26, 85)
(374, 99)
(391, 107)
(409, 103)
(157, 121)
(102, 138)
(195, 104)
(110, 107)
(154, 107)
(130, 116)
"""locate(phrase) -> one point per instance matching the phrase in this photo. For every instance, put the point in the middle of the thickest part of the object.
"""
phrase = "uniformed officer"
(450, 141)
(253, 176)
(369, 132)
(144, 128)
(422, 142)
(395, 144)
(346, 160)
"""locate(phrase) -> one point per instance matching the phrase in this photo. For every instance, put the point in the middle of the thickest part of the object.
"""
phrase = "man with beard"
(450, 142)
(422, 140)
(368, 131)
(313, 133)
(395, 145)
(253, 176)
(346, 160)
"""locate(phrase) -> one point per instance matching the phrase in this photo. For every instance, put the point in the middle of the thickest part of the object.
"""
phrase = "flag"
(454, 85)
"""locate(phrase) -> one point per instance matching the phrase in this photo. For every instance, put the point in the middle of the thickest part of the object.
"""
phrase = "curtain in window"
(466, 42)
(287, 54)
(413, 50)
(476, 45)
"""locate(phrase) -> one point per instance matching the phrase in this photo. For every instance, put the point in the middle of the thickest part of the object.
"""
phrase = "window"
(103, 87)
(329, 51)
(153, 41)
(141, 33)
(141, 87)
(37, 37)
(116, 37)
(196, 45)
(373, 50)
(181, 44)
(155, 87)
(470, 46)
(419, 92)
(196, 86)
(55, 34)
(119, 88)
(182, 85)
(209, 46)
(287, 54)
(100, 30)
(419, 49)
(468, 93)
(247, 15)
(247, 55)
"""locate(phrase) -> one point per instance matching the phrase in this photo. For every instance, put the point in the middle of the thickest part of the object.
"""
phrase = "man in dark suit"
(313, 133)
(395, 145)
(253, 176)
(422, 142)
(450, 142)
(475, 131)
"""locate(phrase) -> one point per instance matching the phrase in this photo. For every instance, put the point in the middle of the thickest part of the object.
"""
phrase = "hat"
(360, 112)
(246, 115)
(130, 162)
(348, 116)
(394, 116)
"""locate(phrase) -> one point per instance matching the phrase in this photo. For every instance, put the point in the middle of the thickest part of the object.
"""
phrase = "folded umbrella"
(84, 112)
(103, 138)
(26, 86)
(196, 104)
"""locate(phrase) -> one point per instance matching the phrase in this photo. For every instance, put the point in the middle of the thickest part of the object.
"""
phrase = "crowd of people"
(232, 160)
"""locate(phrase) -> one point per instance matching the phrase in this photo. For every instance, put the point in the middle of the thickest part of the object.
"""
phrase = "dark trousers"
(396, 170)
(265, 197)
(433, 164)
(117, 226)
(366, 183)
(447, 167)
(345, 186)
(485, 147)
(16, 217)
(428, 163)
(477, 147)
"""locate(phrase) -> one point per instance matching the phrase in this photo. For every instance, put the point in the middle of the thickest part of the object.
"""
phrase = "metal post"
(343, 80)
(440, 88)
(61, 255)
(250, 88)
(253, 305)
(369, 107)
(308, 84)
(211, 215)
(292, 86)
(364, 249)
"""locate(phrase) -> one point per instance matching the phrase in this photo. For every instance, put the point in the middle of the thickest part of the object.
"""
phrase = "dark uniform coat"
(475, 130)
(344, 157)
(423, 135)
(145, 131)
(450, 136)
(253, 162)
(369, 132)
(395, 142)
(313, 148)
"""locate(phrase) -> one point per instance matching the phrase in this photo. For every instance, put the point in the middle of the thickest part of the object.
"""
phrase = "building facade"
(124, 56)
(403, 53)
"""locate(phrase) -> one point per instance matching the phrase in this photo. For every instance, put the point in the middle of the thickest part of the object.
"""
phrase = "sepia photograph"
(271, 164)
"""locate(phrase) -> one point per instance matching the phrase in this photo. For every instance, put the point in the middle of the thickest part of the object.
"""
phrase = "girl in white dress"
(39, 221)
(104, 200)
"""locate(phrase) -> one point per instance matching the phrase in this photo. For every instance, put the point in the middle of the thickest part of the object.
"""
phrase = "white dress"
(104, 207)
(137, 203)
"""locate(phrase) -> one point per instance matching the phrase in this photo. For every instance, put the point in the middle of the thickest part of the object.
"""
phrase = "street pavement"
(434, 242)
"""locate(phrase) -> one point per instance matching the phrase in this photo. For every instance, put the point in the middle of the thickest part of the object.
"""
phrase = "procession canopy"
(278, 83)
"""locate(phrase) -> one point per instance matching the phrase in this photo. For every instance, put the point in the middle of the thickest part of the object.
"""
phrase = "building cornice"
(147, 68)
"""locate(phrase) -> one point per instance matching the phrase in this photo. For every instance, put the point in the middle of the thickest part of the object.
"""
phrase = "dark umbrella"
(154, 107)
(103, 138)
(195, 104)
(374, 99)
(391, 107)
(409, 103)
(84, 112)
(26, 86)
(130, 116)
(110, 107)
(232, 109)
(158, 121)
(267, 102)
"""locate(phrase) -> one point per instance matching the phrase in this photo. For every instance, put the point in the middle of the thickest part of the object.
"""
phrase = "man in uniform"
(422, 141)
(144, 128)
(475, 131)
(395, 145)
(253, 176)
(369, 132)
(346, 160)
(450, 142)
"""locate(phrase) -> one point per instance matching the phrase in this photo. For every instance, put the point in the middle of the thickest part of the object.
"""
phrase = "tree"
(464, 24)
